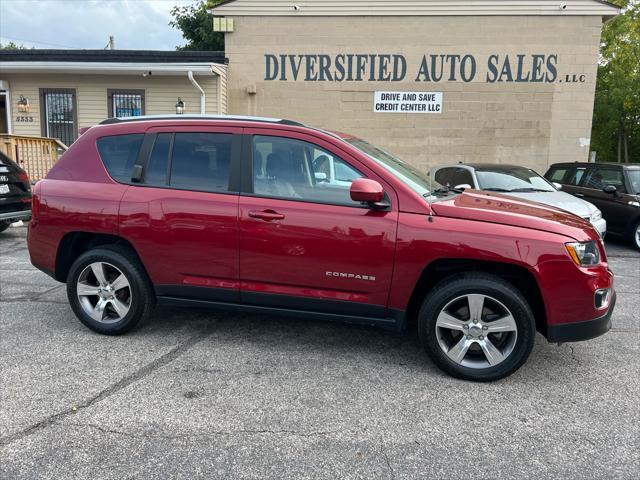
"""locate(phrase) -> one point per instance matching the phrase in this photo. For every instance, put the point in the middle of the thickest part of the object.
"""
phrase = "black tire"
(142, 296)
(635, 236)
(491, 286)
(4, 226)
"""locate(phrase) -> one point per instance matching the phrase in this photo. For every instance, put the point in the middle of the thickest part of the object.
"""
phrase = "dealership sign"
(407, 102)
(434, 68)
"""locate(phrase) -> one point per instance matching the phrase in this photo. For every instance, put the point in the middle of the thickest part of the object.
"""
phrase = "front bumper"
(578, 331)
(601, 226)
(15, 216)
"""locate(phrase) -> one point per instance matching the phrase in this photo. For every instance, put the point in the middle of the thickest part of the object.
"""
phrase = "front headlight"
(595, 216)
(584, 254)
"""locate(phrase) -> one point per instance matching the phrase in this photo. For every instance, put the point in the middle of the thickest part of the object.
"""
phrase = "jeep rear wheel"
(477, 327)
(109, 291)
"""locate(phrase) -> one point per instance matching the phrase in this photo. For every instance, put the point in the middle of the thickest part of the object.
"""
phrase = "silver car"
(516, 181)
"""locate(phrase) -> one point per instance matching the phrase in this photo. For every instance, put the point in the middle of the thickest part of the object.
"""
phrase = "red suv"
(272, 216)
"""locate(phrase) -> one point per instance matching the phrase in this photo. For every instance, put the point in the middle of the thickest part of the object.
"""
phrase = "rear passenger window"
(156, 173)
(119, 154)
(201, 161)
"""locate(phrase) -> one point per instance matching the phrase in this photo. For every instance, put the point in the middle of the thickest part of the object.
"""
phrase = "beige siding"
(531, 124)
(161, 94)
(413, 7)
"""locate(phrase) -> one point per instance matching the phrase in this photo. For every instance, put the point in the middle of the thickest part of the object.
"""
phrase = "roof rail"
(111, 121)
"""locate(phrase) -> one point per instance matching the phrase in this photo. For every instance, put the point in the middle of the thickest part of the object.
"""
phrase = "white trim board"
(241, 8)
(106, 68)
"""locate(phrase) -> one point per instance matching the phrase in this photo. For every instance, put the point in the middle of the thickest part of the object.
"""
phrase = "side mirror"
(463, 186)
(320, 177)
(368, 191)
(557, 185)
(610, 189)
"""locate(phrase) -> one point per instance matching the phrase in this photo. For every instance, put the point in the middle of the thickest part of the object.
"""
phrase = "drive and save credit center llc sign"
(407, 102)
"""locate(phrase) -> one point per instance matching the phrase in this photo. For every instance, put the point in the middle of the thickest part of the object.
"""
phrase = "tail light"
(35, 204)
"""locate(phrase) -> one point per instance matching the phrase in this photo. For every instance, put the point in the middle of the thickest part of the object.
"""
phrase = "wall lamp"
(179, 107)
(23, 104)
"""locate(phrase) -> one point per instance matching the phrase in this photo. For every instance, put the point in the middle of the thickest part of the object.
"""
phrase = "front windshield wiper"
(529, 190)
(514, 190)
(497, 190)
(443, 191)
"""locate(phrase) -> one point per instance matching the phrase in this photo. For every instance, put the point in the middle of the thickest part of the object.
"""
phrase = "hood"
(497, 208)
(561, 200)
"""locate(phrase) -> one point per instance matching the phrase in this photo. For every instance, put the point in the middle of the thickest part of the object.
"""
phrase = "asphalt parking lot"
(203, 394)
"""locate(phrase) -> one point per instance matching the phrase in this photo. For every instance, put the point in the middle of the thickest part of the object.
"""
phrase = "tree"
(616, 118)
(196, 24)
(12, 46)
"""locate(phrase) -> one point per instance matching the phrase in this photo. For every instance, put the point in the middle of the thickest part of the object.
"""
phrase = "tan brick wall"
(161, 94)
(526, 123)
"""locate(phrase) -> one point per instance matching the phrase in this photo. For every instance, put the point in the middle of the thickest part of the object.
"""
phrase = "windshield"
(408, 174)
(634, 180)
(515, 179)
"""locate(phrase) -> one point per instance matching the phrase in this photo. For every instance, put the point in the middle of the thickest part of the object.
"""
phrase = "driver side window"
(297, 170)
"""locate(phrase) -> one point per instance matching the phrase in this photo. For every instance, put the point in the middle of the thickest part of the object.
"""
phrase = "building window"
(59, 117)
(125, 103)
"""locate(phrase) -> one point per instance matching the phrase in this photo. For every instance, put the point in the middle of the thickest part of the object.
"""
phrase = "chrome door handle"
(267, 215)
(579, 194)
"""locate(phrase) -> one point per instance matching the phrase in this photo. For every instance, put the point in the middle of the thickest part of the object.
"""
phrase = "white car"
(516, 181)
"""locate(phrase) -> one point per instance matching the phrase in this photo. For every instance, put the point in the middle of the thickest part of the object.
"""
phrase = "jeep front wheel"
(477, 327)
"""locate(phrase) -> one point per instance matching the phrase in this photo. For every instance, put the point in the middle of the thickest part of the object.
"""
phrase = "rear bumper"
(15, 216)
(578, 331)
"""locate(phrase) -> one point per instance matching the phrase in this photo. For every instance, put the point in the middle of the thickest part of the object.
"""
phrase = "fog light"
(602, 298)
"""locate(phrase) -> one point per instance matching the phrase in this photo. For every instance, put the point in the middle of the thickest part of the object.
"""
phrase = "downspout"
(202, 95)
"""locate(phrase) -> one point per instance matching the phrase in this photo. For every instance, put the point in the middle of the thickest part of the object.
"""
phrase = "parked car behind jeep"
(15, 193)
(232, 212)
(517, 181)
(613, 188)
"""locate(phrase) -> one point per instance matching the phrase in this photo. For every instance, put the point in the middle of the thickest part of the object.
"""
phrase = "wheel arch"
(74, 244)
(438, 270)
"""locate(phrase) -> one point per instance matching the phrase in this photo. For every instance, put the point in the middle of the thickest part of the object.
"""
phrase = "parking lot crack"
(388, 462)
(124, 382)
(154, 435)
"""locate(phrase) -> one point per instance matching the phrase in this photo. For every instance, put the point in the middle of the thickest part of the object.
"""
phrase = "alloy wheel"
(476, 331)
(104, 292)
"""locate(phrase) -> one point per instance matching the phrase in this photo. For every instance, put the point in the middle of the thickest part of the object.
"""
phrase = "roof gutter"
(202, 94)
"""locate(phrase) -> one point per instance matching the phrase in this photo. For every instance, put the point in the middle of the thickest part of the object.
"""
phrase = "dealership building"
(433, 81)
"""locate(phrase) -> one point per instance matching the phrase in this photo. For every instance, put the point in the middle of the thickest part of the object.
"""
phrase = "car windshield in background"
(518, 179)
(410, 175)
(634, 180)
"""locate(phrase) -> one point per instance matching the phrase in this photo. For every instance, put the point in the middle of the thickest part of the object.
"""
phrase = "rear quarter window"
(558, 175)
(119, 154)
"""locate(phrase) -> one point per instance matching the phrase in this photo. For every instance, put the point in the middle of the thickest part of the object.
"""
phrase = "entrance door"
(4, 112)
(304, 244)
(59, 114)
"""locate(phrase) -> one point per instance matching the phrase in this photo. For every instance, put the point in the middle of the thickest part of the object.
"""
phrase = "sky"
(135, 24)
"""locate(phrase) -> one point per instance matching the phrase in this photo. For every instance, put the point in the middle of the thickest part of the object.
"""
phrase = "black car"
(612, 187)
(15, 193)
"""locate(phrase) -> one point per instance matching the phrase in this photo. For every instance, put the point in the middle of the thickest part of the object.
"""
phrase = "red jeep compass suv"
(273, 216)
